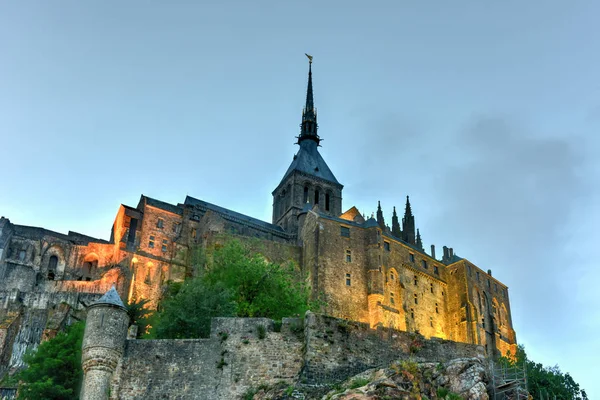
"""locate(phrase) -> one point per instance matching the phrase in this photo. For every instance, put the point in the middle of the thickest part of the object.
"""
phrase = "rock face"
(464, 378)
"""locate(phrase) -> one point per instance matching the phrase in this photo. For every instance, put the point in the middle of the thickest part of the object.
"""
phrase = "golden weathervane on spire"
(309, 57)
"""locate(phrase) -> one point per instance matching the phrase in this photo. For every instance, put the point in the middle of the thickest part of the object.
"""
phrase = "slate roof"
(33, 232)
(111, 297)
(162, 205)
(309, 161)
(233, 215)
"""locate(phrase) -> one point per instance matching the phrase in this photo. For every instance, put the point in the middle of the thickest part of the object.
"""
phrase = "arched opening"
(316, 196)
(52, 264)
(327, 201)
(90, 264)
(305, 198)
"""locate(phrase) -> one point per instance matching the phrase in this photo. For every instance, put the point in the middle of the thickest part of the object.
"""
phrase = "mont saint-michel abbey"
(362, 268)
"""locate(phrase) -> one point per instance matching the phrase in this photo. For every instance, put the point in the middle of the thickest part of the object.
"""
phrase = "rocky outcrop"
(463, 378)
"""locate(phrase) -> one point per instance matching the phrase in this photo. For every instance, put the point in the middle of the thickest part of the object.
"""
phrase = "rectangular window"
(176, 227)
(477, 273)
(151, 242)
(436, 270)
(411, 256)
(392, 298)
(348, 280)
(348, 256)
(160, 223)
(386, 245)
(165, 242)
(469, 268)
(345, 231)
(424, 263)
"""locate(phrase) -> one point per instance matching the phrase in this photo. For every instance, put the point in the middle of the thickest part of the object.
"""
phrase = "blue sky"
(485, 113)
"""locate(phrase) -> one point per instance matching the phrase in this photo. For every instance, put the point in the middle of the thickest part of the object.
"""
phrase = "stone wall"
(337, 349)
(319, 351)
(223, 366)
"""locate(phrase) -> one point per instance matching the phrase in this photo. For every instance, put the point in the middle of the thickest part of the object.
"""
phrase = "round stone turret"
(103, 344)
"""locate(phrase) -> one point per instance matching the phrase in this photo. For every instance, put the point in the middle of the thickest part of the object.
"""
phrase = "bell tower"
(308, 178)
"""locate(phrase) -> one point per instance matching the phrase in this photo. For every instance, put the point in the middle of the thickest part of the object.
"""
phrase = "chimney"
(433, 251)
(451, 251)
(489, 272)
(445, 258)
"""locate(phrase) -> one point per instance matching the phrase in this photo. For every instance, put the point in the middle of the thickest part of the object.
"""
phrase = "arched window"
(317, 196)
(327, 200)
(305, 198)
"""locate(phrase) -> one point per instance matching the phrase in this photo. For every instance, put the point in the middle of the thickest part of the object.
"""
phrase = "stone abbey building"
(365, 270)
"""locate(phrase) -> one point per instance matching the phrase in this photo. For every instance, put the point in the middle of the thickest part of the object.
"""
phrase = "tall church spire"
(396, 231)
(380, 219)
(309, 114)
(408, 224)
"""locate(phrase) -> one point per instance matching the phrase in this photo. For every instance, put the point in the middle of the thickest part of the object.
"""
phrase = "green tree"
(186, 313)
(261, 288)
(54, 370)
(139, 315)
(235, 282)
(545, 381)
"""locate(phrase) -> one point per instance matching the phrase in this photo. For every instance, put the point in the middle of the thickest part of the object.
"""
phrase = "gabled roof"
(232, 215)
(308, 160)
(352, 214)
(160, 204)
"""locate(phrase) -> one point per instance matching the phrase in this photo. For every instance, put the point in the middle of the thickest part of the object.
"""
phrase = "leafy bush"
(262, 332)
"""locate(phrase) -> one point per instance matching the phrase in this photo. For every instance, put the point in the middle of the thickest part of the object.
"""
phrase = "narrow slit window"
(416, 281)
(316, 197)
(305, 198)
(437, 311)
(416, 298)
(431, 287)
(327, 201)
(392, 298)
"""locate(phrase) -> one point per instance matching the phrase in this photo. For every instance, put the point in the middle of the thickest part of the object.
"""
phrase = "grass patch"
(359, 382)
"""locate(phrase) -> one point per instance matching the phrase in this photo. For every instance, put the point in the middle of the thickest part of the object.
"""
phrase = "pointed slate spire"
(111, 298)
(396, 231)
(380, 219)
(419, 241)
(408, 224)
(309, 114)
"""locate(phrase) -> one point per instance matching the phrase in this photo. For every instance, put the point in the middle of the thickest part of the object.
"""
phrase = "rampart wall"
(317, 352)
